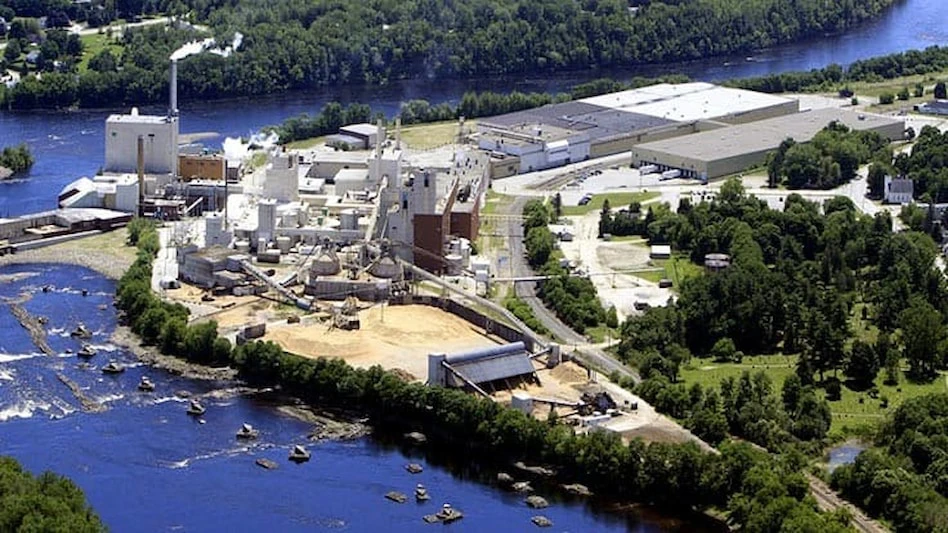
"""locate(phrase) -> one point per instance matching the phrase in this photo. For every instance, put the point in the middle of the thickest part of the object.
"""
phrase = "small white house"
(898, 190)
(563, 232)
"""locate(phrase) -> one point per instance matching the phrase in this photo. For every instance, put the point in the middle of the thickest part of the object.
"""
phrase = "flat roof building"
(736, 148)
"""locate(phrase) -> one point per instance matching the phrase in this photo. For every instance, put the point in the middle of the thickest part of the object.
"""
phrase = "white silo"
(266, 219)
(349, 219)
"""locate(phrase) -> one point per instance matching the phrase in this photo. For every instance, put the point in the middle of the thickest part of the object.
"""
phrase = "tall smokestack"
(141, 175)
(173, 90)
(381, 139)
(398, 133)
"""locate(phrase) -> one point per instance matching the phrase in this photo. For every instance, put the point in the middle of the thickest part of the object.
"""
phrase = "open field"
(616, 199)
(399, 336)
(677, 269)
(93, 44)
(854, 409)
(433, 135)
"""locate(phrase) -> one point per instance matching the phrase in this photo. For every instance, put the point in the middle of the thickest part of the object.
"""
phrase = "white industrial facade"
(160, 139)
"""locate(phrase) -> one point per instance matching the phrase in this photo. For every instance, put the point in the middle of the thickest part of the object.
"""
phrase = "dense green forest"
(758, 492)
(302, 44)
(904, 479)
(16, 158)
(44, 503)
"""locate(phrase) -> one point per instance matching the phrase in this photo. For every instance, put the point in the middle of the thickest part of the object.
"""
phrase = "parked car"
(665, 283)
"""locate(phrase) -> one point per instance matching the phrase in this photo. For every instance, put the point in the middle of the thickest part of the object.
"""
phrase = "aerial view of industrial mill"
(486, 265)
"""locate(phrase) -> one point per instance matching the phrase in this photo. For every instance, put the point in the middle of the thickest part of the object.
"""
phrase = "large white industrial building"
(569, 132)
(160, 136)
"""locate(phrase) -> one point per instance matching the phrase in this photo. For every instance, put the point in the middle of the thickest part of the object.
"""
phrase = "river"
(70, 145)
(145, 465)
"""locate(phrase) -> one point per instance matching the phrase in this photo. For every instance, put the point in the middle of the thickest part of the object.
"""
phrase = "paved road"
(526, 291)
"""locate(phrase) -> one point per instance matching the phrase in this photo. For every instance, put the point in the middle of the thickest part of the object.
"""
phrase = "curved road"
(526, 291)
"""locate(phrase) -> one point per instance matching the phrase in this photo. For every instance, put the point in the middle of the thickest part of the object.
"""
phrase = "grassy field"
(616, 199)
(855, 409)
(307, 143)
(677, 269)
(425, 136)
(93, 44)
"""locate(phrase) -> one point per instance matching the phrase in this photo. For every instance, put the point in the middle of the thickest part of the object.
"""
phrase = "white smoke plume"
(207, 45)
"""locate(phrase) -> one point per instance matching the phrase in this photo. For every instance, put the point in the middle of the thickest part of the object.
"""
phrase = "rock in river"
(521, 486)
(505, 479)
(541, 521)
(577, 489)
(414, 468)
(536, 502)
(416, 438)
(397, 497)
(266, 463)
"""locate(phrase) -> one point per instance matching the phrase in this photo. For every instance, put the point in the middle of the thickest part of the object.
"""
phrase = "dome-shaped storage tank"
(325, 264)
(385, 267)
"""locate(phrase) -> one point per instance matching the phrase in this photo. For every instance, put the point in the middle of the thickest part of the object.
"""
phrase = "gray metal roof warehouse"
(736, 148)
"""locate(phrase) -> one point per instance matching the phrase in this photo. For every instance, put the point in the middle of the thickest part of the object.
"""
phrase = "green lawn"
(677, 269)
(616, 199)
(425, 136)
(93, 44)
(602, 333)
(848, 413)
(307, 143)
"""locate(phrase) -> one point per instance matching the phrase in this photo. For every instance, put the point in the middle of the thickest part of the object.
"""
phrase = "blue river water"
(69, 145)
(145, 465)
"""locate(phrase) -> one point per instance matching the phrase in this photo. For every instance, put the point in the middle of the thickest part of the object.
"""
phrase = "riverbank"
(106, 253)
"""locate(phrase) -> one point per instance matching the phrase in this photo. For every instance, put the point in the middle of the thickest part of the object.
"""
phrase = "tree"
(605, 218)
(876, 179)
(863, 364)
(540, 243)
(802, 165)
(940, 91)
(12, 52)
(886, 98)
(923, 339)
(919, 90)
(724, 351)
(557, 206)
(903, 94)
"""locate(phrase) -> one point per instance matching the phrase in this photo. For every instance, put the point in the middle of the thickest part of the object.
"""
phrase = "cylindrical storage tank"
(291, 219)
(384, 268)
(349, 219)
(522, 402)
(453, 263)
(284, 243)
(261, 245)
(242, 246)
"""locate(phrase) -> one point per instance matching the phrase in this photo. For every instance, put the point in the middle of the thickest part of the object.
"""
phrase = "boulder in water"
(414, 468)
(536, 502)
(577, 489)
(521, 486)
(396, 497)
(416, 437)
(266, 463)
(505, 479)
(541, 521)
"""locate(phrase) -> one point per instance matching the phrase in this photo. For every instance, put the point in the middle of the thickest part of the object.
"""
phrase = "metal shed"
(481, 366)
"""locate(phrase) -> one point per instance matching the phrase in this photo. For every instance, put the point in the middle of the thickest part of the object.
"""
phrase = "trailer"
(670, 174)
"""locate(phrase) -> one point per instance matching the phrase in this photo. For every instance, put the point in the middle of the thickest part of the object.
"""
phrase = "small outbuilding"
(660, 251)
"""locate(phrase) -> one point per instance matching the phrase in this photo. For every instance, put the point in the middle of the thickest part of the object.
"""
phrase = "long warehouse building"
(730, 150)
(568, 132)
